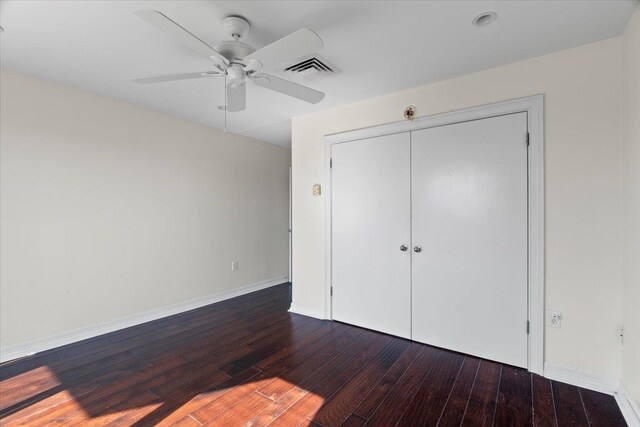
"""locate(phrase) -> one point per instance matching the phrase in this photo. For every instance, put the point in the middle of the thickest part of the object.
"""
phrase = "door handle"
(404, 248)
(417, 249)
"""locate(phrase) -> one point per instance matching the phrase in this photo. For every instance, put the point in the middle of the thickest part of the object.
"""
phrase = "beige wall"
(631, 207)
(110, 210)
(583, 134)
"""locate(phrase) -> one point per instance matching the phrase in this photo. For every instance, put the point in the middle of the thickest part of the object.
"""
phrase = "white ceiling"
(379, 47)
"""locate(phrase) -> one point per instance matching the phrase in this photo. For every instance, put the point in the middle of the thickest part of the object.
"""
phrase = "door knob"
(417, 249)
(403, 248)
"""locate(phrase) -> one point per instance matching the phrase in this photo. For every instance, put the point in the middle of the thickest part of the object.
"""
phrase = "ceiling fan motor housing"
(234, 50)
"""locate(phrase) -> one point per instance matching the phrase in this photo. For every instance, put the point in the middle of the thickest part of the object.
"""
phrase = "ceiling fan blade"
(236, 97)
(295, 45)
(295, 90)
(179, 33)
(174, 77)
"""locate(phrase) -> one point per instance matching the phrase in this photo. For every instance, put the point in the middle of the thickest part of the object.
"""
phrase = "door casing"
(533, 105)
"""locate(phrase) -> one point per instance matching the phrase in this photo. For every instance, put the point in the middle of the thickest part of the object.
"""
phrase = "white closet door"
(469, 216)
(370, 222)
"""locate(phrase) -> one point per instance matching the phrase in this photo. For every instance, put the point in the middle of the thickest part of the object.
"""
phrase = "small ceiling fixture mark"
(484, 19)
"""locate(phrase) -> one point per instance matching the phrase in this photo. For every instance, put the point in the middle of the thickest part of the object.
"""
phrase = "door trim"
(534, 106)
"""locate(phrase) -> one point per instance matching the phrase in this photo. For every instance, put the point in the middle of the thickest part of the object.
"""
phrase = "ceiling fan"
(238, 61)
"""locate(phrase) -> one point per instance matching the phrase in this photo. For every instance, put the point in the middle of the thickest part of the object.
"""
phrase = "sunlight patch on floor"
(129, 416)
(26, 385)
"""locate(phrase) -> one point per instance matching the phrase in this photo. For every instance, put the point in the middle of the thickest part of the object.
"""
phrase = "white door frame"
(534, 106)
(290, 233)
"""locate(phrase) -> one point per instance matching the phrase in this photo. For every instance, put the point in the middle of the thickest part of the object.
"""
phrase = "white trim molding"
(600, 383)
(47, 343)
(307, 311)
(534, 107)
(628, 406)
(579, 378)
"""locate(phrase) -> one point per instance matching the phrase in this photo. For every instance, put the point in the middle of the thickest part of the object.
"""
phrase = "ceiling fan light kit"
(237, 61)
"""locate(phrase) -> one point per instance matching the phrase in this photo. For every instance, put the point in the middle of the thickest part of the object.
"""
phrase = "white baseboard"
(307, 311)
(42, 344)
(628, 406)
(579, 378)
(601, 383)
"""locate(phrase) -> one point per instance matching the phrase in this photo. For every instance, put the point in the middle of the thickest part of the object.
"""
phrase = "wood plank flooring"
(249, 362)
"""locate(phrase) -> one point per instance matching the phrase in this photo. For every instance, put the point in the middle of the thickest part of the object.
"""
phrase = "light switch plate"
(316, 189)
(554, 318)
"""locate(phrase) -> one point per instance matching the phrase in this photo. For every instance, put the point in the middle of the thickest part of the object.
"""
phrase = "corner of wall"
(630, 160)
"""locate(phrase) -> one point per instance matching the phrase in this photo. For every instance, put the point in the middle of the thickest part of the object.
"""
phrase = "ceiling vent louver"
(310, 70)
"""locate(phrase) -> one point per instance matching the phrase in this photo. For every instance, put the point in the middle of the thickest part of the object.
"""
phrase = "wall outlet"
(554, 318)
(234, 266)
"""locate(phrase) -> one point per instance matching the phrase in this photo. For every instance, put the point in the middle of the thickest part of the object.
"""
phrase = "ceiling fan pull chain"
(225, 101)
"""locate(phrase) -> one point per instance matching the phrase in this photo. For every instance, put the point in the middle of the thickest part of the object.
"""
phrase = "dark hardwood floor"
(248, 362)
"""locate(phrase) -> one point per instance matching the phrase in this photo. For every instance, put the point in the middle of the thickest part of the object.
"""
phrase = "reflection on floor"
(249, 362)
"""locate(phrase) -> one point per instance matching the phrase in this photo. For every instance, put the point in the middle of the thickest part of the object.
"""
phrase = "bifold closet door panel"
(469, 217)
(371, 193)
